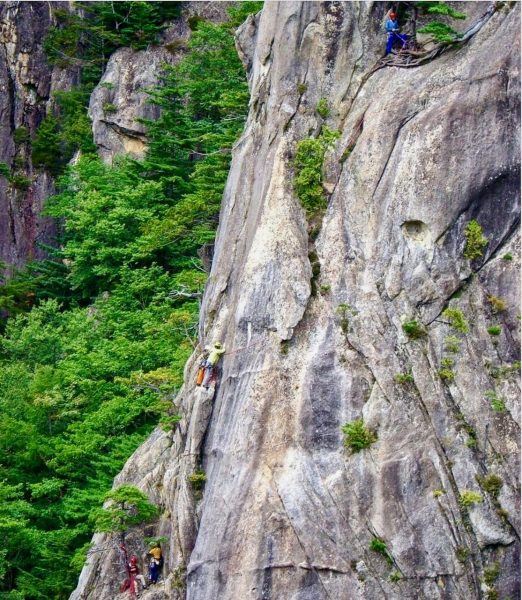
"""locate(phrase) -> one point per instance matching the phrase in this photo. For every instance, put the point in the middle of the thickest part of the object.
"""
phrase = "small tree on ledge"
(126, 507)
(441, 32)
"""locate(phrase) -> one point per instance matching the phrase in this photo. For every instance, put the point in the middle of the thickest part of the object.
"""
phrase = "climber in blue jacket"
(392, 29)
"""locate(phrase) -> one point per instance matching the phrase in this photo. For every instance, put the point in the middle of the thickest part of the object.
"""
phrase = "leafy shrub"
(505, 370)
(475, 240)
(169, 422)
(469, 498)
(395, 577)
(438, 493)
(21, 135)
(456, 319)
(197, 480)
(322, 108)
(402, 378)
(5, 171)
(379, 546)
(452, 344)
(47, 146)
(491, 483)
(109, 108)
(462, 553)
(507, 256)
(194, 21)
(301, 88)
(446, 374)
(344, 311)
(495, 330)
(497, 403)
(20, 182)
(357, 436)
(497, 304)
(308, 164)
(491, 573)
(441, 32)
(413, 329)
(325, 289)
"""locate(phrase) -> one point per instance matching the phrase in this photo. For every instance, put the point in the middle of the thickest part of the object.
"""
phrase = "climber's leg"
(208, 374)
(389, 44)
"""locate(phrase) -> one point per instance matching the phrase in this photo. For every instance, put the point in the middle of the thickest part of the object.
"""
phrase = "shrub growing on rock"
(491, 483)
(495, 330)
(469, 498)
(497, 304)
(308, 165)
(413, 329)
(403, 378)
(379, 546)
(475, 240)
(357, 436)
(197, 480)
(456, 319)
(497, 403)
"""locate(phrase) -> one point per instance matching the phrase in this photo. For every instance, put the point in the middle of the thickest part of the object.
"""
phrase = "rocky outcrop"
(288, 511)
(26, 82)
(121, 99)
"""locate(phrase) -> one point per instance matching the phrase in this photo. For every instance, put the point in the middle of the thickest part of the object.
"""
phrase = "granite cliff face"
(287, 511)
(26, 84)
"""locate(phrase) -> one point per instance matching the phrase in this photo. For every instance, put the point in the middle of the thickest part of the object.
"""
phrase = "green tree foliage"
(439, 30)
(308, 163)
(46, 147)
(125, 507)
(94, 346)
(457, 319)
(85, 38)
(475, 240)
(204, 102)
(357, 436)
(91, 33)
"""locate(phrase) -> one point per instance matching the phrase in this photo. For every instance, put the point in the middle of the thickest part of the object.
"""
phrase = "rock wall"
(26, 84)
(311, 314)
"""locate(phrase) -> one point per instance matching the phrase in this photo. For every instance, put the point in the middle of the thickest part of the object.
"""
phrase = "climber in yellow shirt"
(156, 562)
(215, 353)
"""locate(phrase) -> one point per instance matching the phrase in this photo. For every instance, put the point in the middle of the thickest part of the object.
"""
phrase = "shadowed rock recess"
(288, 512)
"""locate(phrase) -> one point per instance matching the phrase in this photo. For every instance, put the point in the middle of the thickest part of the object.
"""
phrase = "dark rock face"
(26, 84)
(287, 511)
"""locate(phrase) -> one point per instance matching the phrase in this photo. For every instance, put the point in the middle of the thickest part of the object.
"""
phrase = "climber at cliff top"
(392, 29)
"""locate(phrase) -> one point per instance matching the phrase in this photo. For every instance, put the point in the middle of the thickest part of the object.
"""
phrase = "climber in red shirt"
(134, 574)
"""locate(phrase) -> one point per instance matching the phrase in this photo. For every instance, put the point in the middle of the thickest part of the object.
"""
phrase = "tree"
(441, 31)
(126, 506)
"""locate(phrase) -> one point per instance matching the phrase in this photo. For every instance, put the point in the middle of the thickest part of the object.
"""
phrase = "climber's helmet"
(217, 345)
(393, 16)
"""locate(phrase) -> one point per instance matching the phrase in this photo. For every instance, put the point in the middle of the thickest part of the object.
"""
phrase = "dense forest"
(94, 338)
